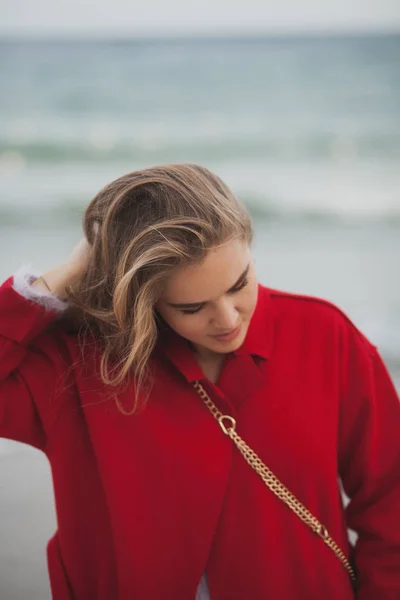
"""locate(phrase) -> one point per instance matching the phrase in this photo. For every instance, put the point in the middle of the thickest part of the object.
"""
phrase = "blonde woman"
(196, 421)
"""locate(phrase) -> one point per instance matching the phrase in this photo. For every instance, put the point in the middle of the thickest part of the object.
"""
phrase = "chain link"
(228, 426)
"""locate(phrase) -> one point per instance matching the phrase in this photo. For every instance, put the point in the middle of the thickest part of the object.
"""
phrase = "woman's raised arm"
(35, 366)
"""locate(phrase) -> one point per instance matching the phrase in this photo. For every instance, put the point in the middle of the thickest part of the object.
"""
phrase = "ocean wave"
(206, 147)
(70, 211)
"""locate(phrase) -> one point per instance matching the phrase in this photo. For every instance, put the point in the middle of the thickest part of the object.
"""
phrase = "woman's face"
(221, 293)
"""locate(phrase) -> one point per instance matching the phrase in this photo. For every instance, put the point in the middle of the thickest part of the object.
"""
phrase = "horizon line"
(195, 35)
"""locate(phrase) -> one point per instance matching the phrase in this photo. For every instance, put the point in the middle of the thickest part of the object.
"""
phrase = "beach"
(27, 520)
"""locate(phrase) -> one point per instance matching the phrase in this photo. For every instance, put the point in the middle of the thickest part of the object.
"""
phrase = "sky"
(122, 18)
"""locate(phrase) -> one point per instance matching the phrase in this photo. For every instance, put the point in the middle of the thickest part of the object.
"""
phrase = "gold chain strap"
(228, 426)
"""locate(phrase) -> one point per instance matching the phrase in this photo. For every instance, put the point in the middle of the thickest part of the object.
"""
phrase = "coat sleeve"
(369, 467)
(34, 368)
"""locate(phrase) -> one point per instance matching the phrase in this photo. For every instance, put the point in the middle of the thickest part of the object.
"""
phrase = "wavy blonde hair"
(142, 227)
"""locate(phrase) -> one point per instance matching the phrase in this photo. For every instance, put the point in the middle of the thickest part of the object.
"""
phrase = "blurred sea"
(305, 130)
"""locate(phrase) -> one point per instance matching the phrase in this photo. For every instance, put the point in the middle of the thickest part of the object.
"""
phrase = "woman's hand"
(66, 273)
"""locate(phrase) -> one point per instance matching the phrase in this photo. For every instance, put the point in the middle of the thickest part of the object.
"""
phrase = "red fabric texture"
(146, 503)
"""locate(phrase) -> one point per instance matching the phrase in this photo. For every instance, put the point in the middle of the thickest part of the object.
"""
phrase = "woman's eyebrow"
(196, 304)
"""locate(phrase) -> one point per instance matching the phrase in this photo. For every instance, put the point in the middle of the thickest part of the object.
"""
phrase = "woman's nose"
(226, 319)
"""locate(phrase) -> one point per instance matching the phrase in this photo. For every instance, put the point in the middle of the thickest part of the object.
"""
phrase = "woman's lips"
(228, 336)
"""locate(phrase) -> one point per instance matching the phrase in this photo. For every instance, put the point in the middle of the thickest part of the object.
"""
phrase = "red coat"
(146, 503)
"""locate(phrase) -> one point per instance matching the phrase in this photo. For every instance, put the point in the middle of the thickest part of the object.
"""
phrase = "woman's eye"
(196, 310)
(241, 286)
(192, 312)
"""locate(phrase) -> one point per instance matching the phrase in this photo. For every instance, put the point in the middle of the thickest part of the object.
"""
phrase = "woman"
(101, 361)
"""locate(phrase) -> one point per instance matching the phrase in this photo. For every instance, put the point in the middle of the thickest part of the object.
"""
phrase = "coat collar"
(258, 341)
